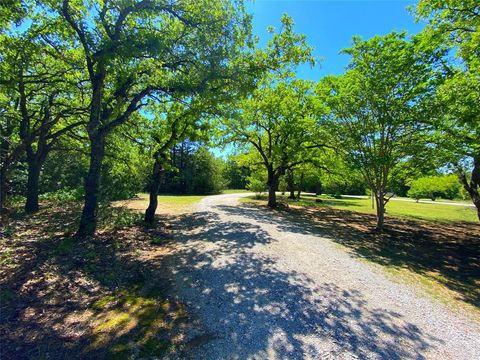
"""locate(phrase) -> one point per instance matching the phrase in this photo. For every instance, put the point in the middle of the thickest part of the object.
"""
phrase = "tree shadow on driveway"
(254, 309)
(447, 254)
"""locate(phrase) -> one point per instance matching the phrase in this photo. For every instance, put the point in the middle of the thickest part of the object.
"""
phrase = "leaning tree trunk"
(31, 204)
(154, 188)
(88, 221)
(272, 187)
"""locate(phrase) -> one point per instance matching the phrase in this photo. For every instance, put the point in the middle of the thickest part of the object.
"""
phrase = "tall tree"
(47, 104)
(173, 123)
(140, 50)
(456, 24)
(377, 106)
(277, 119)
(279, 124)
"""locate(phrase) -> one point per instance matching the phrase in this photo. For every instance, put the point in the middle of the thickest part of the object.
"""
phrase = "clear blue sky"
(330, 25)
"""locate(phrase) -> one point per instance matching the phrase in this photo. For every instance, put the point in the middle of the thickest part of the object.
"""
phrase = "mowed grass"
(422, 211)
(234, 191)
(398, 209)
(175, 199)
(167, 204)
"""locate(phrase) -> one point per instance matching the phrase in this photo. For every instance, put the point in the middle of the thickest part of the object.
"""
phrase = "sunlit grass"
(166, 203)
(234, 191)
(175, 199)
(436, 212)
(399, 209)
(134, 323)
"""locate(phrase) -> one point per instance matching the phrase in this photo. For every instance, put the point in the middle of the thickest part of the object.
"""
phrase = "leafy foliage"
(433, 187)
(378, 105)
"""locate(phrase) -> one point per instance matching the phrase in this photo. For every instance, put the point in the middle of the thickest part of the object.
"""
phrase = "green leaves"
(380, 107)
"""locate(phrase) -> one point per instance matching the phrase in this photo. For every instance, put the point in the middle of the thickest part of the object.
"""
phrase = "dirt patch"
(106, 297)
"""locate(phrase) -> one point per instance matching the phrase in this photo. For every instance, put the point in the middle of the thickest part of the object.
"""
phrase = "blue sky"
(330, 25)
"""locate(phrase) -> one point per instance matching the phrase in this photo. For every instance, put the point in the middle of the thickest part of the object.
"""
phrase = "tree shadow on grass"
(252, 309)
(448, 254)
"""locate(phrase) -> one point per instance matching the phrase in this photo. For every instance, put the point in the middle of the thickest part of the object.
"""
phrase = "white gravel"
(265, 288)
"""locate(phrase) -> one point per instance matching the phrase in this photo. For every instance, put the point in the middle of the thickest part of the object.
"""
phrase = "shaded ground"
(448, 254)
(233, 281)
(266, 286)
(101, 298)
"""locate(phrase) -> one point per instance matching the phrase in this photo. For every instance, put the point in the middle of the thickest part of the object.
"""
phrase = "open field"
(398, 209)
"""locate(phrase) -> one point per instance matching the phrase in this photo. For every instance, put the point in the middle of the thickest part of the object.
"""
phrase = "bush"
(433, 187)
(63, 195)
(256, 185)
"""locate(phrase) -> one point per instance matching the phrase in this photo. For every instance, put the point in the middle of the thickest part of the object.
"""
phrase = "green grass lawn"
(461, 201)
(175, 199)
(234, 191)
(402, 209)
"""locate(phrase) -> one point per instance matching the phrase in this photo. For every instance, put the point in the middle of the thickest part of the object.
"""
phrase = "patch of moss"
(135, 322)
(115, 320)
(103, 302)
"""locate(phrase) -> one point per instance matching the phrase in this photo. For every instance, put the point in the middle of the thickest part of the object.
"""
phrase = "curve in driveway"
(263, 287)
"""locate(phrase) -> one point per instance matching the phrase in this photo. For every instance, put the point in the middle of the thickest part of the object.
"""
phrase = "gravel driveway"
(261, 287)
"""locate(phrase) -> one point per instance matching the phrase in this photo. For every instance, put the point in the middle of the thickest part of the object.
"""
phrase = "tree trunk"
(290, 184)
(154, 188)
(272, 187)
(300, 185)
(380, 209)
(31, 205)
(3, 196)
(472, 187)
(88, 221)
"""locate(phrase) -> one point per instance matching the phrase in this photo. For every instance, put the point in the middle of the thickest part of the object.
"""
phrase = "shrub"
(433, 187)
(63, 195)
(256, 185)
